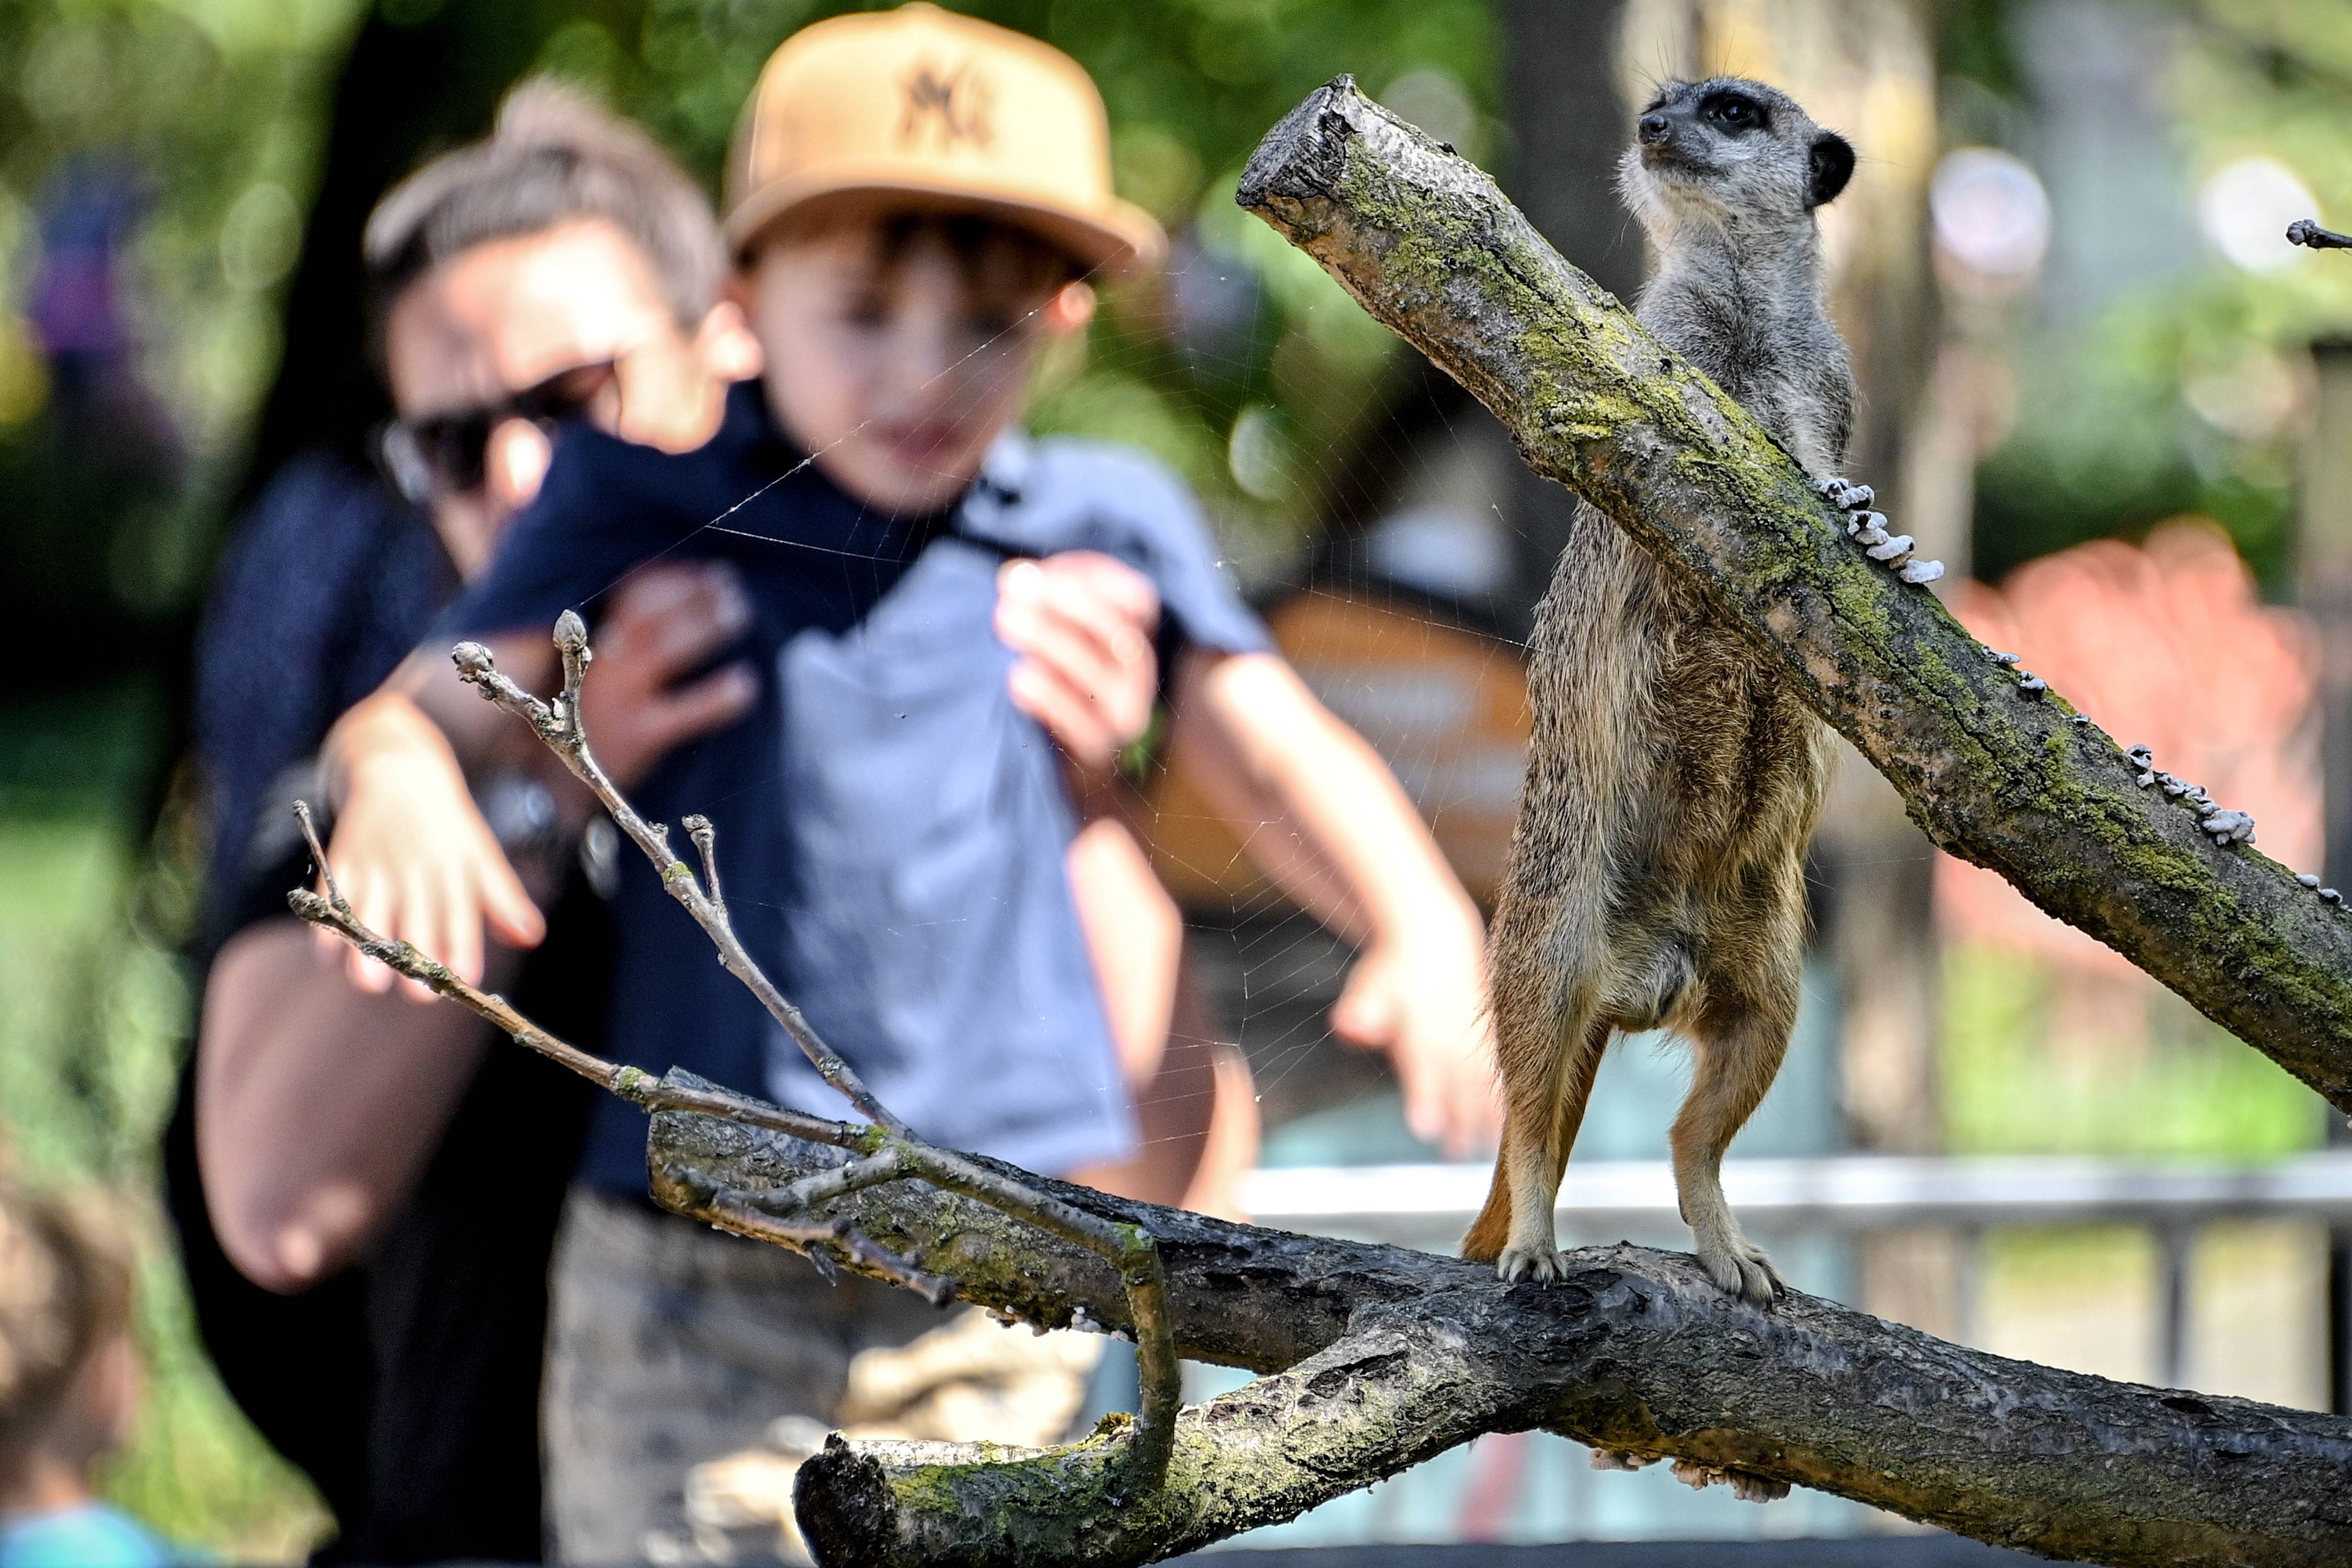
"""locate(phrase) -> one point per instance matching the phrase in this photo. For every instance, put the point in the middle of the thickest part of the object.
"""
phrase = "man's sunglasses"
(445, 454)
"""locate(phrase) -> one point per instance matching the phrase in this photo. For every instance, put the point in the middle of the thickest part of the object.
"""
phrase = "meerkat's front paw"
(1740, 1267)
(1541, 1263)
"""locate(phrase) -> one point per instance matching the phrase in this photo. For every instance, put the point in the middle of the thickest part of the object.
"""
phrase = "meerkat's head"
(1732, 150)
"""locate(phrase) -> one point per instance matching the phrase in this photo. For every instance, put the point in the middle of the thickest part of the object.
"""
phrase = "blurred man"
(335, 1141)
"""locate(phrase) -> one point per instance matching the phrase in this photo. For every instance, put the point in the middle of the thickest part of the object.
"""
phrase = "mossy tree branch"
(1378, 1357)
(1996, 771)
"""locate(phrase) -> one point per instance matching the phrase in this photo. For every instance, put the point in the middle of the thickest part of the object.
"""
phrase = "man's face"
(896, 371)
(511, 314)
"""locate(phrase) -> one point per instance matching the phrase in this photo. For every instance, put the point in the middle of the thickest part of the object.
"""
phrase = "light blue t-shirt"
(891, 828)
(90, 1536)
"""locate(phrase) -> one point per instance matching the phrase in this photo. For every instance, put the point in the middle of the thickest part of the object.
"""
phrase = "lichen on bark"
(1378, 1357)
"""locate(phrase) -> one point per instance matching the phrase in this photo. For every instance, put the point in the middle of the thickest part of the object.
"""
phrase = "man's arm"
(317, 1104)
(1325, 817)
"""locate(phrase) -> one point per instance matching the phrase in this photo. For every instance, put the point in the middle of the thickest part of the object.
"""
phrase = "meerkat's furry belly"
(1684, 786)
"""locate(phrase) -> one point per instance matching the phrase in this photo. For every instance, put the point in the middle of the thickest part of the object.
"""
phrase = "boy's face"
(896, 364)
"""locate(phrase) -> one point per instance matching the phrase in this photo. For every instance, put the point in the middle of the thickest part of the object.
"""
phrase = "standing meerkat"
(1656, 876)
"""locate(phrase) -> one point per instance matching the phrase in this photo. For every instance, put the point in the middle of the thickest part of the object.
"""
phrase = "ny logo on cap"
(952, 105)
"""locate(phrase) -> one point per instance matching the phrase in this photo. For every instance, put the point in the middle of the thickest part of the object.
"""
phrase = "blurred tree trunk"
(1569, 121)
(2324, 570)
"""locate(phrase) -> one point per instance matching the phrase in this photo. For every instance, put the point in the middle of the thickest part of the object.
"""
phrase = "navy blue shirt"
(322, 592)
(891, 828)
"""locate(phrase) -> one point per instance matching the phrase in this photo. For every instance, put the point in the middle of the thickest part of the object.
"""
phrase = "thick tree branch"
(1996, 768)
(1379, 1358)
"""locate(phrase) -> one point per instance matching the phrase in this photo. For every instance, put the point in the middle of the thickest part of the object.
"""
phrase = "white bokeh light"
(1990, 213)
(2244, 207)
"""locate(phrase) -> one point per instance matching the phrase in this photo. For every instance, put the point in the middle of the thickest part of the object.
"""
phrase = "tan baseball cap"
(942, 111)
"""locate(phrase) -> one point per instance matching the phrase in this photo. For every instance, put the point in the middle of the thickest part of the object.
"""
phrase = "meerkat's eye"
(1733, 112)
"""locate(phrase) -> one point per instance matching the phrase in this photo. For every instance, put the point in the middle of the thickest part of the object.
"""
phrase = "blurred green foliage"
(2180, 1088)
(156, 157)
(93, 1013)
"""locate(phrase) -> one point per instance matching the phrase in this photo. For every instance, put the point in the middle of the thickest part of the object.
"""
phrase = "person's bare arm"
(317, 1103)
(1325, 817)
(320, 1099)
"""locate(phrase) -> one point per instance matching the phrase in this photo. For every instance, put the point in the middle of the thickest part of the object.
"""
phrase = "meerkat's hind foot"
(1539, 1263)
(1741, 1269)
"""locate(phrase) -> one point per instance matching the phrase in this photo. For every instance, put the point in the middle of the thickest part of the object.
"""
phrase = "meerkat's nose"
(1654, 129)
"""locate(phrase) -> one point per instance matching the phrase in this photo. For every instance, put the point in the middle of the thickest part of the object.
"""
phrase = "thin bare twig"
(633, 1084)
(706, 845)
(890, 1165)
(2306, 231)
(557, 725)
(892, 1151)
(746, 1218)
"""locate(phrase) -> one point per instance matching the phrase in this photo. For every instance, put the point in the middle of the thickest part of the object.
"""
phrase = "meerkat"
(1656, 876)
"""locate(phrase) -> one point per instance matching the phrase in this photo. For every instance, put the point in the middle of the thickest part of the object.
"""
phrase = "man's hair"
(65, 1292)
(553, 158)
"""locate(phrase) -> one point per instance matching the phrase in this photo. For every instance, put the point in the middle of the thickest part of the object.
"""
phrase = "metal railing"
(1429, 1207)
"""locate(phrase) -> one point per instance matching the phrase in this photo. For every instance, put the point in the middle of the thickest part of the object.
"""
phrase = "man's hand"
(1422, 1002)
(667, 621)
(410, 851)
(1082, 624)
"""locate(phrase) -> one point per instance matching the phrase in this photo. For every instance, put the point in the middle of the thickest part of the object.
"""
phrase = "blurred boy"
(917, 202)
(68, 1387)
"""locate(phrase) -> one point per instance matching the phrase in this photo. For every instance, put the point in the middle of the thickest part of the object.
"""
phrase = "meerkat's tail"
(1492, 1229)
(1554, 1132)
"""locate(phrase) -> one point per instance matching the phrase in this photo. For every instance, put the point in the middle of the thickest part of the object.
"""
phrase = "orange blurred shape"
(2164, 645)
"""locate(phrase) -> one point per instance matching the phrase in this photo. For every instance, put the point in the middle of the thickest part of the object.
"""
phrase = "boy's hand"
(1424, 1003)
(411, 853)
(665, 623)
(1082, 624)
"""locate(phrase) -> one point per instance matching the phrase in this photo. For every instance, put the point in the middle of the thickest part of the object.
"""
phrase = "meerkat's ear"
(1829, 167)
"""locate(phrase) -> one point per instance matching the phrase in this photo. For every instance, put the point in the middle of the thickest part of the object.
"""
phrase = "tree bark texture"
(1994, 773)
(1377, 1358)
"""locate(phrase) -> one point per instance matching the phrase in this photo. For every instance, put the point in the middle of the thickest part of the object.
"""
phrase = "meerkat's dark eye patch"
(1734, 111)
(1828, 167)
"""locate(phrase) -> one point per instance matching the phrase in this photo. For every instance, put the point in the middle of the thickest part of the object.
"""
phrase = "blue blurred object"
(90, 1536)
